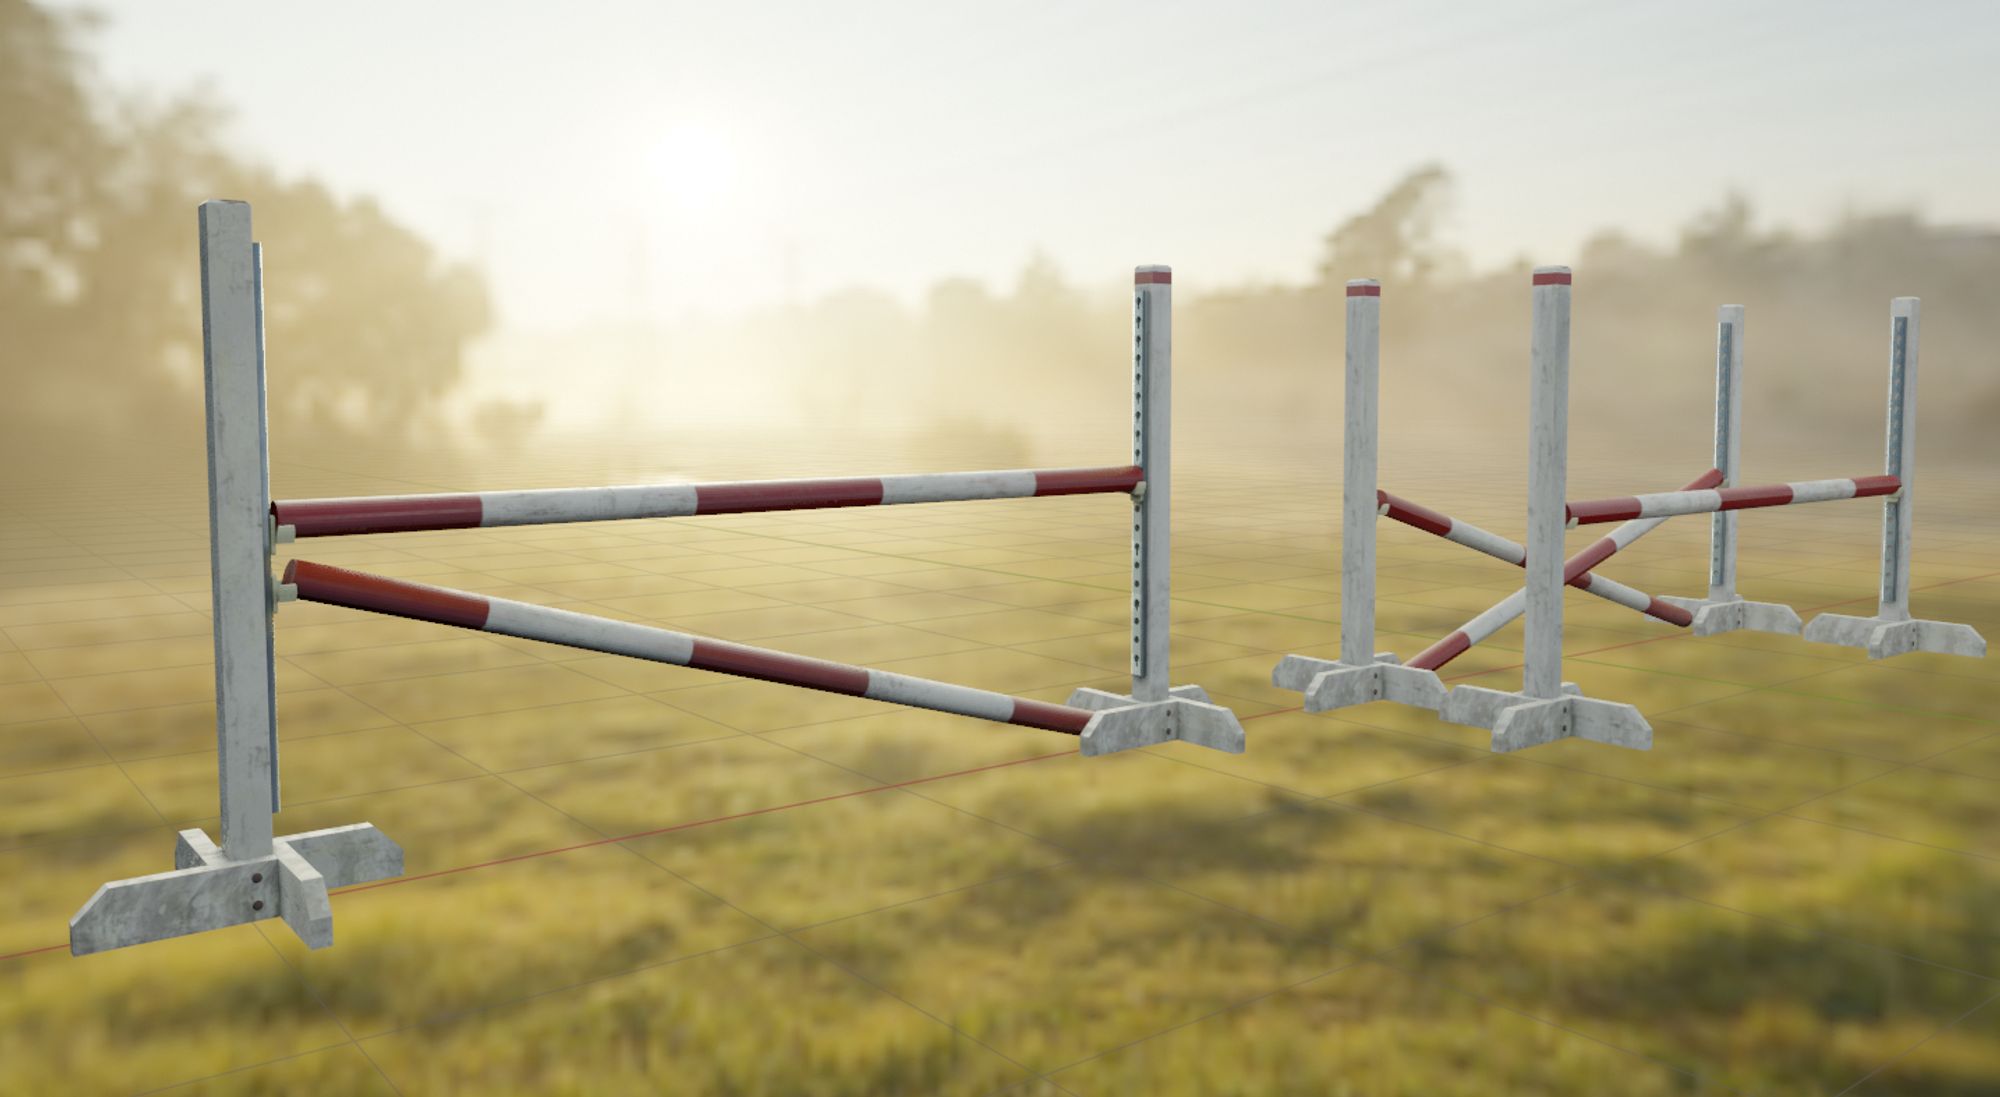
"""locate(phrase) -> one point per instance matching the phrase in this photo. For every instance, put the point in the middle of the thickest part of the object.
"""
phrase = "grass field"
(627, 878)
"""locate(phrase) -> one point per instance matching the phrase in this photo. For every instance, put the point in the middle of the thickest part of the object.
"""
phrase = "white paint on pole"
(1480, 540)
(527, 508)
(1728, 448)
(1152, 451)
(1359, 469)
(238, 504)
(580, 630)
(902, 689)
(1548, 445)
(950, 487)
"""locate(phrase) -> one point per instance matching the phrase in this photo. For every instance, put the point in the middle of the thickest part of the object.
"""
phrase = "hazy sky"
(605, 155)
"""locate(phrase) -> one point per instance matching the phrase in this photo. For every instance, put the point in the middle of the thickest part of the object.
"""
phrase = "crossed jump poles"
(1547, 708)
(252, 874)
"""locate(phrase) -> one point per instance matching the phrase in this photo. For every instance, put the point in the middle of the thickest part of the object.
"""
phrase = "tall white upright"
(1548, 449)
(1361, 674)
(1155, 711)
(1358, 486)
(238, 520)
(1892, 631)
(1724, 610)
(1545, 708)
(251, 875)
(1152, 451)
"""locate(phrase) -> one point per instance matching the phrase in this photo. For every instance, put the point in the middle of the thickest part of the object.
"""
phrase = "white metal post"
(1358, 508)
(1548, 459)
(1892, 631)
(238, 509)
(1728, 448)
(1152, 451)
(1724, 610)
(1900, 459)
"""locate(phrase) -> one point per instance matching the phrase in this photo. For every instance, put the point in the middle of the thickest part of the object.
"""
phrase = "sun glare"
(694, 167)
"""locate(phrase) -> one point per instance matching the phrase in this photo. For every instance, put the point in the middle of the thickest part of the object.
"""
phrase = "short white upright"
(1892, 631)
(1724, 610)
(1545, 709)
(1361, 674)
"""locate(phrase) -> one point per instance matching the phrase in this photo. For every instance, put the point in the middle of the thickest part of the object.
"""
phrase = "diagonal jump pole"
(251, 875)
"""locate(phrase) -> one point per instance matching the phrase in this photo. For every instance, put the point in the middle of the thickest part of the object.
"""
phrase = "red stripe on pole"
(772, 666)
(1603, 510)
(1086, 481)
(1554, 278)
(1364, 291)
(388, 514)
(786, 495)
(1048, 717)
(1773, 495)
(1865, 486)
(341, 587)
(1442, 652)
(1153, 278)
(1671, 614)
(1592, 555)
(1413, 515)
(1705, 481)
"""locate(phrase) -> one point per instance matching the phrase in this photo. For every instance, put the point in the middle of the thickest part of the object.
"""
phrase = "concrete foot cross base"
(1884, 638)
(1121, 723)
(1328, 684)
(1519, 721)
(1736, 615)
(207, 891)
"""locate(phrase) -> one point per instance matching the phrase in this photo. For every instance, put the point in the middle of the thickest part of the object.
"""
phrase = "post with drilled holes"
(251, 875)
(1361, 674)
(1152, 450)
(1155, 710)
(1892, 631)
(1546, 708)
(1724, 610)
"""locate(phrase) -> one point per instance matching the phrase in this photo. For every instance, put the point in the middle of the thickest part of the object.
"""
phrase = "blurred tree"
(98, 276)
(1396, 241)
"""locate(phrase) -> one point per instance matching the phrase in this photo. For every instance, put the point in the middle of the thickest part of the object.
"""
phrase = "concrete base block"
(1518, 721)
(1123, 724)
(206, 891)
(1328, 684)
(1884, 638)
(1735, 614)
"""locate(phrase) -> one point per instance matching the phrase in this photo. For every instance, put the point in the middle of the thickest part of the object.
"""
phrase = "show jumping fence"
(253, 875)
(1547, 708)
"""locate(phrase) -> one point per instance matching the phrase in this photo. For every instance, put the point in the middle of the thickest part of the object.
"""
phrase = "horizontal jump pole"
(411, 513)
(334, 586)
(1576, 573)
(1500, 548)
(1667, 504)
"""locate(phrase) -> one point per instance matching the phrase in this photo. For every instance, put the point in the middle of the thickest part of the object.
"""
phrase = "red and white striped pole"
(1576, 572)
(376, 594)
(1500, 548)
(1667, 504)
(408, 513)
